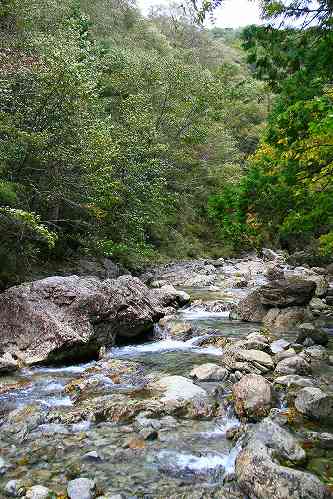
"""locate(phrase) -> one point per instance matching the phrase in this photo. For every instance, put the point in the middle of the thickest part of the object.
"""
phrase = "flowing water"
(189, 458)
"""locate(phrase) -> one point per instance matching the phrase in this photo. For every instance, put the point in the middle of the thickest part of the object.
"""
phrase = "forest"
(151, 139)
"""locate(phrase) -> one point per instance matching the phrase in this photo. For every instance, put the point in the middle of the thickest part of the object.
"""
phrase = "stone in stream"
(81, 488)
(287, 292)
(285, 318)
(38, 492)
(279, 345)
(285, 354)
(180, 331)
(316, 352)
(14, 488)
(250, 308)
(209, 372)
(317, 335)
(252, 396)
(293, 365)
(314, 403)
(8, 364)
(177, 388)
(293, 380)
(274, 272)
(69, 318)
(260, 474)
(92, 456)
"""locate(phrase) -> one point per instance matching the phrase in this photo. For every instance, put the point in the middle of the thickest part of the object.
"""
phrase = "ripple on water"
(208, 466)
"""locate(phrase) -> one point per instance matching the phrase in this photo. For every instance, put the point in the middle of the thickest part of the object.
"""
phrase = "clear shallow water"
(191, 453)
(188, 456)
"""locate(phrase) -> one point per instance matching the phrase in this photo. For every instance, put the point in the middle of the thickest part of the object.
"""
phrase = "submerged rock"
(252, 396)
(69, 318)
(81, 488)
(38, 492)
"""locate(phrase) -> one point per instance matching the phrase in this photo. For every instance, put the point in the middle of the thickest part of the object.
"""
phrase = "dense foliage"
(114, 131)
(285, 198)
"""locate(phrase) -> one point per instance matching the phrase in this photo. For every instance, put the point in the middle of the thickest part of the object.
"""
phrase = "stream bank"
(205, 405)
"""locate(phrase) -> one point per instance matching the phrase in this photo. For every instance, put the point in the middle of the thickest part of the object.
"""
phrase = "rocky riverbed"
(205, 379)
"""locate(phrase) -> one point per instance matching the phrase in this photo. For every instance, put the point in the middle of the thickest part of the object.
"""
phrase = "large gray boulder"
(314, 403)
(259, 471)
(287, 292)
(61, 319)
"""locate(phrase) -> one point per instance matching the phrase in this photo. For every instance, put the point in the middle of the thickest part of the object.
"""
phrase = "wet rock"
(177, 388)
(293, 365)
(322, 440)
(3, 466)
(182, 330)
(279, 345)
(70, 318)
(81, 488)
(285, 354)
(14, 488)
(167, 295)
(321, 285)
(49, 429)
(314, 403)
(259, 471)
(317, 335)
(92, 456)
(8, 364)
(149, 434)
(256, 356)
(252, 396)
(319, 270)
(287, 292)
(209, 372)
(318, 304)
(143, 422)
(215, 306)
(293, 380)
(250, 308)
(285, 319)
(38, 492)
(274, 272)
(257, 337)
(316, 352)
